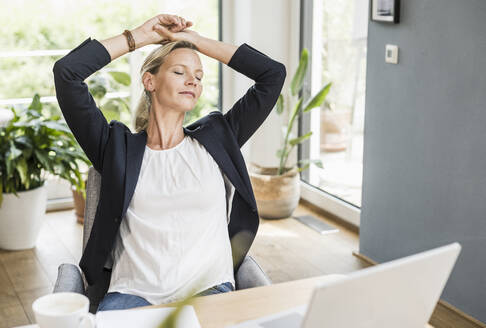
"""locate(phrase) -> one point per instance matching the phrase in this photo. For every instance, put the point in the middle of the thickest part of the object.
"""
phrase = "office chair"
(71, 278)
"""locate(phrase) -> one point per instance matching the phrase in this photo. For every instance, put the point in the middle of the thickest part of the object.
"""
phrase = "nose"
(192, 81)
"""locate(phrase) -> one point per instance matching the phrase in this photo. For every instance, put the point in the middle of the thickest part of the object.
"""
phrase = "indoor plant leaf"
(56, 126)
(307, 162)
(21, 167)
(280, 104)
(31, 144)
(36, 104)
(318, 99)
(299, 139)
(299, 75)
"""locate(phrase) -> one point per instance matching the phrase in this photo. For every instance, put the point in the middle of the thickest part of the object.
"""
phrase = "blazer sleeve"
(79, 109)
(249, 112)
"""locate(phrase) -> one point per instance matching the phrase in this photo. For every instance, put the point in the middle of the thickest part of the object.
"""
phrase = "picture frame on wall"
(385, 11)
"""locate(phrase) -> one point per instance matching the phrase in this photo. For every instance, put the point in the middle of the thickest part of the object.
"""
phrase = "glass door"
(336, 36)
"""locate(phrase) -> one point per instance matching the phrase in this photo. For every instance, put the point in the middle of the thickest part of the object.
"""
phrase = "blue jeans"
(120, 301)
(222, 288)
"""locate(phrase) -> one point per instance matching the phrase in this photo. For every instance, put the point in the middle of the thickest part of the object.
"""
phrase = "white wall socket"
(391, 54)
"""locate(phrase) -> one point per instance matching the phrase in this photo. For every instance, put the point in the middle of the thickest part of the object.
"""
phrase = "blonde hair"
(152, 64)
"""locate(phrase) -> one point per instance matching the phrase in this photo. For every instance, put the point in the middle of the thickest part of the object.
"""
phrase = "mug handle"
(87, 320)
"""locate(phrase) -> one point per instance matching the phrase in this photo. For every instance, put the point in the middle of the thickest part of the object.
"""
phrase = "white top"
(173, 241)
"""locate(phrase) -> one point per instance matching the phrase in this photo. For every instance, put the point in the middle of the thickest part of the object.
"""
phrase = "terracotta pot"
(277, 196)
(79, 205)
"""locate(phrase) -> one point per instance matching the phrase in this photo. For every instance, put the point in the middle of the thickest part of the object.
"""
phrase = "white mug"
(63, 310)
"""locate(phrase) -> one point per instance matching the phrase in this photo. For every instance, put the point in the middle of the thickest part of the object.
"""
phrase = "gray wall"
(424, 179)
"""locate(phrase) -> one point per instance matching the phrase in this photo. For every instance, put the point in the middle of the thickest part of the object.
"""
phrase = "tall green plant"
(31, 144)
(298, 109)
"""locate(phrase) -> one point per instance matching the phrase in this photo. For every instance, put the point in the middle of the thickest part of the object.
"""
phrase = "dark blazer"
(117, 153)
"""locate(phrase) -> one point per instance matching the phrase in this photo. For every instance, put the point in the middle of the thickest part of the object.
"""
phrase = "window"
(36, 33)
(335, 32)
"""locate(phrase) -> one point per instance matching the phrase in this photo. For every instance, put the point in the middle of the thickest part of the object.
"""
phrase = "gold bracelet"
(130, 40)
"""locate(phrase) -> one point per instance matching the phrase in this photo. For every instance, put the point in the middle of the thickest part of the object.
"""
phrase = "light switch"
(391, 54)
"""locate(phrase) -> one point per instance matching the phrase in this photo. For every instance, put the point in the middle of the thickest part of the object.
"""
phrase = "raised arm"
(249, 112)
(83, 117)
(79, 109)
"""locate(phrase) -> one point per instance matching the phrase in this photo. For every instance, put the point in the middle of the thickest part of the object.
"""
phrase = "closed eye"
(178, 73)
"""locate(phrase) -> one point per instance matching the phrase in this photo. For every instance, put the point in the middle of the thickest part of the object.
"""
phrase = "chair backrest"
(97, 291)
(93, 187)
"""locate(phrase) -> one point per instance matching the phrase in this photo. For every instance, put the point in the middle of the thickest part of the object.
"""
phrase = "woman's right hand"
(170, 23)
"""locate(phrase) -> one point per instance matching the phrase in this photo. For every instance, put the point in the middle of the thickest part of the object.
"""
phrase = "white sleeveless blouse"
(173, 241)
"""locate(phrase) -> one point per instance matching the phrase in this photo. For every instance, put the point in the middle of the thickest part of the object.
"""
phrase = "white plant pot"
(21, 218)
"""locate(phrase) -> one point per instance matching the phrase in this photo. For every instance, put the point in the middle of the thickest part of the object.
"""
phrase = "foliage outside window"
(55, 25)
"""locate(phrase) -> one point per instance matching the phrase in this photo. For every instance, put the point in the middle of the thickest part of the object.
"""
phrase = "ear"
(148, 81)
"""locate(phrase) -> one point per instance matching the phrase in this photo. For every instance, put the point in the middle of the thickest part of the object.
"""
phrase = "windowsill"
(57, 204)
(344, 211)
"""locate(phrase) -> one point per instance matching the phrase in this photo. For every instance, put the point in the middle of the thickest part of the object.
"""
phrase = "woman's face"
(177, 84)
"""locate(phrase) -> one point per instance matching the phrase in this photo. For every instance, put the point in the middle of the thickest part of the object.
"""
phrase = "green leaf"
(13, 152)
(318, 163)
(299, 75)
(34, 113)
(298, 140)
(23, 140)
(32, 144)
(36, 103)
(305, 167)
(43, 159)
(56, 126)
(295, 113)
(318, 98)
(307, 162)
(121, 77)
(280, 104)
(26, 153)
(22, 169)
(115, 105)
(15, 117)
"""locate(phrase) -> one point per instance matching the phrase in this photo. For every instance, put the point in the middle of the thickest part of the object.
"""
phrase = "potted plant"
(32, 145)
(277, 189)
(79, 199)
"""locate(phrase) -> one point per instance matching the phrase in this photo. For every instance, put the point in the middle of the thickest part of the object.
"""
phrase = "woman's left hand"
(178, 35)
(163, 28)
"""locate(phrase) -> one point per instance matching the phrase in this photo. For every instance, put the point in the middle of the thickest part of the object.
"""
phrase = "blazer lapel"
(134, 156)
(135, 149)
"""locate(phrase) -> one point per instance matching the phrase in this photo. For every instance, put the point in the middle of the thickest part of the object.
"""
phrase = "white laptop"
(400, 294)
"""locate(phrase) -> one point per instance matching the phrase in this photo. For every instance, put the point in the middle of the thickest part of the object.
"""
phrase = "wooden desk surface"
(221, 310)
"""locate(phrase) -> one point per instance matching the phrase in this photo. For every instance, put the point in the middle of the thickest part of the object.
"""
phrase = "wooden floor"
(285, 249)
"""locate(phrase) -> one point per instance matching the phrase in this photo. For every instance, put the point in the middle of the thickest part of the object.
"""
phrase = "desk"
(221, 310)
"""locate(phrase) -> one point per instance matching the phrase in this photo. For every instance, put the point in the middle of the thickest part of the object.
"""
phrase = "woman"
(162, 218)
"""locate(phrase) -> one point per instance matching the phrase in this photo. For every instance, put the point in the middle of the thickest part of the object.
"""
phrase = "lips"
(189, 93)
